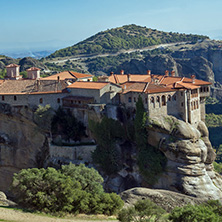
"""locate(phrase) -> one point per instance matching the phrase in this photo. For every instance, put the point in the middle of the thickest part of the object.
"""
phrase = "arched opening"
(41, 100)
(163, 100)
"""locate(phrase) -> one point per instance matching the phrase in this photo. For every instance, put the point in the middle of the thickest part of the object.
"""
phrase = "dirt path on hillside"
(19, 216)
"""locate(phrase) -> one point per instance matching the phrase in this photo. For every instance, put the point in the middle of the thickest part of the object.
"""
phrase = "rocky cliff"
(22, 145)
(190, 155)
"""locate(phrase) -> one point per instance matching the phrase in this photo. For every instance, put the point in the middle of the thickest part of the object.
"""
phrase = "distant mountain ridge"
(125, 37)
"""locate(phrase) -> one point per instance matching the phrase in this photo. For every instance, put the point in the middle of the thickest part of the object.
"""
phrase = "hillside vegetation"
(126, 37)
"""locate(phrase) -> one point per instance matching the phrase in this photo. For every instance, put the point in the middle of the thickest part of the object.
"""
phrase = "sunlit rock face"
(22, 145)
(190, 156)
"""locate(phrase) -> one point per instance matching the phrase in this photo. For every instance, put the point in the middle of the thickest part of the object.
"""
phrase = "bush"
(73, 189)
(143, 210)
(206, 212)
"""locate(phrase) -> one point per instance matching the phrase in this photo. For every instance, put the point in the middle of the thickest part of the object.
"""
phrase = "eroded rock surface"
(190, 156)
(22, 145)
(166, 199)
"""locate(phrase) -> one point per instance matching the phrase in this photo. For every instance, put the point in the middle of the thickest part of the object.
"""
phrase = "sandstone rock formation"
(22, 145)
(166, 199)
(190, 155)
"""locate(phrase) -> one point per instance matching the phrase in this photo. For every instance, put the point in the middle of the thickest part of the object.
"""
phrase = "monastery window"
(197, 105)
(158, 99)
(169, 97)
(71, 101)
(134, 99)
(110, 88)
(181, 93)
(201, 89)
(41, 100)
(79, 102)
(174, 98)
(129, 99)
(15, 98)
(194, 105)
(3, 98)
(163, 100)
(182, 104)
(207, 89)
(58, 100)
(204, 89)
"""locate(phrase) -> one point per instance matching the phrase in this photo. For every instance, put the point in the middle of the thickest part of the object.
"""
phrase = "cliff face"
(22, 145)
(190, 155)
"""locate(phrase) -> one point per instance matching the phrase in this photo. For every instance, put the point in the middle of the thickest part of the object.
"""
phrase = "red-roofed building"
(165, 95)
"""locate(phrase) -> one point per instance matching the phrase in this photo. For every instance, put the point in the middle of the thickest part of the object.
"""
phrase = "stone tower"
(33, 73)
(13, 71)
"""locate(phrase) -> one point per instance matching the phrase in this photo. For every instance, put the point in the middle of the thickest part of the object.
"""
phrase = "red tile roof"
(68, 75)
(31, 86)
(33, 69)
(88, 85)
(12, 65)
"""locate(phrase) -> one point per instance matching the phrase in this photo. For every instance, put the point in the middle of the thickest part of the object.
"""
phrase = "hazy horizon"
(54, 24)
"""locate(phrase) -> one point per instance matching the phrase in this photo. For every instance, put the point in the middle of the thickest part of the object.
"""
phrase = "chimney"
(111, 73)
(193, 78)
(172, 73)
(121, 72)
(152, 78)
(166, 73)
(128, 78)
(148, 72)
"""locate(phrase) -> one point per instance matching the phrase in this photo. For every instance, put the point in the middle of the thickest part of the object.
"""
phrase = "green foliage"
(24, 74)
(206, 212)
(66, 125)
(126, 37)
(150, 160)
(3, 73)
(43, 117)
(106, 133)
(143, 210)
(217, 167)
(73, 189)
(213, 120)
(211, 100)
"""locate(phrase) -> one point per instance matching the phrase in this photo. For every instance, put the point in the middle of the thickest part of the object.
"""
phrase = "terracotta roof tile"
(31, 86)
(88, 85)
(68, 75)
(12, 65)
(33, 69)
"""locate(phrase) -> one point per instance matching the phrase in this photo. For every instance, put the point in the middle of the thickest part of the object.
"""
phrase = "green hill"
(126, 37)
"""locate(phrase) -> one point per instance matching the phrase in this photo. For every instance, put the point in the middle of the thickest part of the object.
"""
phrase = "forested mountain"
(123, 38)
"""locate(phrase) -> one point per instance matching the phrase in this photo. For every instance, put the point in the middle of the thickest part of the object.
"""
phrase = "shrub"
(143, 210)
(206, 212)
(73, 189)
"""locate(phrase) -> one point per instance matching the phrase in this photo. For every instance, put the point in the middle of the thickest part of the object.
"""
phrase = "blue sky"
(43, 24)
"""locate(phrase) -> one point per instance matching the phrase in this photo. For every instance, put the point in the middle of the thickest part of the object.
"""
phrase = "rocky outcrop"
(4, 201)
(166, 199)
(190, 155)
(22, 145)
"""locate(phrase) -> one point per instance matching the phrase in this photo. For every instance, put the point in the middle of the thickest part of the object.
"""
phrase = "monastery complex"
(165, 94)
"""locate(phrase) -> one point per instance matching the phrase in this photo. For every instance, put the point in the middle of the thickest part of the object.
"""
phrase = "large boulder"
(168, 200)
(190, 156)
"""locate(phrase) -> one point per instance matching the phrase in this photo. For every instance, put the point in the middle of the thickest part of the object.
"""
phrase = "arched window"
(152, 99)
(169, 97)
(41, 100)
(163, 100)
(158, 99)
